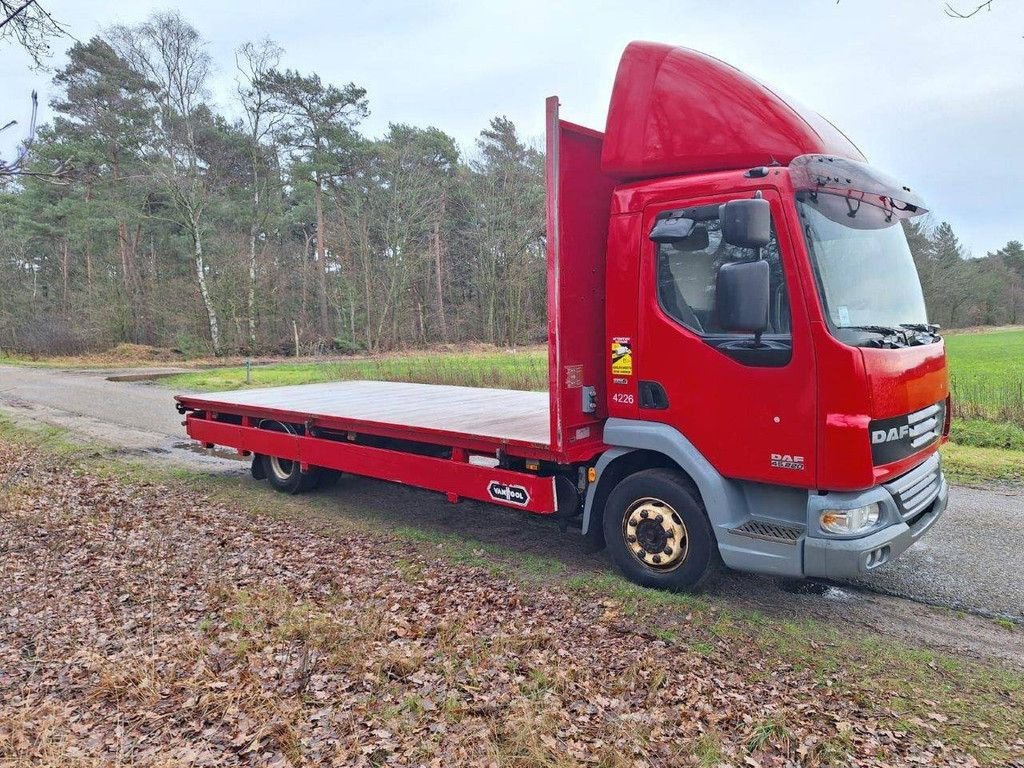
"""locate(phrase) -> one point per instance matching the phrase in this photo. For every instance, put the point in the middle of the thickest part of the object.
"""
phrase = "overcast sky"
(937, 102)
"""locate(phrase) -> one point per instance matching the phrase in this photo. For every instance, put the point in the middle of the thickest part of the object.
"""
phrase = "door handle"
(653, 396)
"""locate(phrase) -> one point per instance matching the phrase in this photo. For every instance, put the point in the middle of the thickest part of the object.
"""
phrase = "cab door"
(749, 408)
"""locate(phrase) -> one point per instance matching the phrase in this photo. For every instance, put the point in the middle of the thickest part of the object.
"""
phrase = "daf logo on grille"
(887, 436)
(898, 437)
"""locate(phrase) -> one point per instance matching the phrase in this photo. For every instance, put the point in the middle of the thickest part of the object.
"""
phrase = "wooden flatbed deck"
(501, 415)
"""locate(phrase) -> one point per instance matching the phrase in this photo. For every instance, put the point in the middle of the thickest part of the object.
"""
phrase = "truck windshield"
(865, 272)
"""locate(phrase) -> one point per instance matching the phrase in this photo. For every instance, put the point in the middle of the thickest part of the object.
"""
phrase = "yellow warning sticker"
(622, 356)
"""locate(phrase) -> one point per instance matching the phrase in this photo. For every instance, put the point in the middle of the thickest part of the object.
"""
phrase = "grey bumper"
(849, 558)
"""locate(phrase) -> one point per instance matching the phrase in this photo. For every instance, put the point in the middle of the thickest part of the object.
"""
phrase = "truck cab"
(765, 331)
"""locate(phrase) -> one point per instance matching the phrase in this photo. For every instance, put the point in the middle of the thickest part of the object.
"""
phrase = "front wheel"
(658, 534)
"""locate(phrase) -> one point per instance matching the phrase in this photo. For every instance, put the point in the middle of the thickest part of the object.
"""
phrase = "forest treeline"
(178, 226)
(285, 227)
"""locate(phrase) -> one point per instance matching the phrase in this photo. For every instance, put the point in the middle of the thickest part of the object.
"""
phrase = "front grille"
(897, 437)
(926, 425)
(760, 529)
(915, 491)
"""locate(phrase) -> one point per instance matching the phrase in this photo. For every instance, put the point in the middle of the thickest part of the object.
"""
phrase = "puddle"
(142, 376)
(813, 587)
(835, 593)
(137, 451)
(15, 402)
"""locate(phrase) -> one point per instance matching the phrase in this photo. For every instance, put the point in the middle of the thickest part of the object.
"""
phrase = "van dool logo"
(509, 494)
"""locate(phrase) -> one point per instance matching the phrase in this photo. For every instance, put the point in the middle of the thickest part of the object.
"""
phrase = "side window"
(688, 271)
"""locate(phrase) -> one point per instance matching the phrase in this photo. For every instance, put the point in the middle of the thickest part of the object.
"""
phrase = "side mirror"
(746, 223)
(742, 297)
(671, 230)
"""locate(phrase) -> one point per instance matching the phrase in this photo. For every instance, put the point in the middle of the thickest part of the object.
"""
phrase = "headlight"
(847, 521)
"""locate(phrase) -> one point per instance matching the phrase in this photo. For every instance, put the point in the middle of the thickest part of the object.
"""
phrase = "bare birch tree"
(169, 51)
(254, 62)
(29, 25)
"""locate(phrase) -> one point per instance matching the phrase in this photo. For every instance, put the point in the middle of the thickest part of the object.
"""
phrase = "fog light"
(847, 521)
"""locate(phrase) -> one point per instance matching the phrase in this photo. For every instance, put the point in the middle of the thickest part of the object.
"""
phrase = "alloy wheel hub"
(655, 534)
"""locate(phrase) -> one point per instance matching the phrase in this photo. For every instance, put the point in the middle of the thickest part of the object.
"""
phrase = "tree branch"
(953, 13)
(15, 12)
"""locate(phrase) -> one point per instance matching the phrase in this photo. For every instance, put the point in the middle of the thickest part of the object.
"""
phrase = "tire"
(256, 469)
(284, 474)
(658, 533)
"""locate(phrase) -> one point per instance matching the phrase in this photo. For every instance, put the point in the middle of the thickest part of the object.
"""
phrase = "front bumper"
(849, 558)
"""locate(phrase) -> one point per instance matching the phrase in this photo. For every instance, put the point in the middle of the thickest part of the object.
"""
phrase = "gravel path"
(972, 560)
(137, 417)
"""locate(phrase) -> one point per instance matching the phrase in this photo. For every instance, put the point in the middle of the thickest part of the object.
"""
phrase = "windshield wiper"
(885, 330)
(906, 335)
(891, 337)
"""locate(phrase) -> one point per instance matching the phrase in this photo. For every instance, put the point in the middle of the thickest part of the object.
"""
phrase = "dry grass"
(148, 625)
(122, 355)
(126, 355)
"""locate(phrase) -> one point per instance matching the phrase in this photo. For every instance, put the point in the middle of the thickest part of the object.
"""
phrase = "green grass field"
(991, 353)
(987, 376)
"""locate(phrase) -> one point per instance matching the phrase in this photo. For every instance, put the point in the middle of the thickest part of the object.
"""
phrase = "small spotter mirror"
(747, 223)
(671, 229)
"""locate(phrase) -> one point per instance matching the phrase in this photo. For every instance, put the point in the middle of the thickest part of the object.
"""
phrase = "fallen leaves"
(146, 624)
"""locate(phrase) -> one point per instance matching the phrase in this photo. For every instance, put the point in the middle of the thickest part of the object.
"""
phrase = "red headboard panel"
(578, 203)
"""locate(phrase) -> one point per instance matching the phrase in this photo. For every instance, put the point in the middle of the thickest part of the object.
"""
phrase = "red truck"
(741, 367)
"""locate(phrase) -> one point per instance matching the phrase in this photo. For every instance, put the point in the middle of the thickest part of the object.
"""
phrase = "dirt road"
(971, 561)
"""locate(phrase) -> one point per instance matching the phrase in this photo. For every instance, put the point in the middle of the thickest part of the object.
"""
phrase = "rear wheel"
(658, 534)
(284, 474)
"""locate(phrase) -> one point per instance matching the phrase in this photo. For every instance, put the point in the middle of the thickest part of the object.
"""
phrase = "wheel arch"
(614, 466)
(640, 445)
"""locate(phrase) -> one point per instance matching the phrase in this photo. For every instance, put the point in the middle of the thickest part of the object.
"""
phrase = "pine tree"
(1012, 255)
(946, 245)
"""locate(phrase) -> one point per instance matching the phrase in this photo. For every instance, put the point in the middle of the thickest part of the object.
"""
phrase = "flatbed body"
(467, 442)
(470, 417)
(527, 450)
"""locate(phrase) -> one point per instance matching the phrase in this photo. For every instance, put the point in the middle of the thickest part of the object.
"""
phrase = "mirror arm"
(759, 257)
(758, 253)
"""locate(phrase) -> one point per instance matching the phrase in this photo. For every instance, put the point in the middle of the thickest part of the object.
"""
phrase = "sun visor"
(857, 181)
